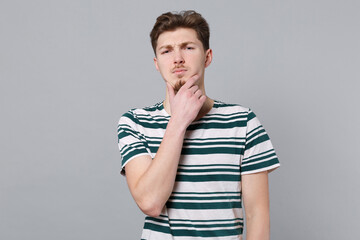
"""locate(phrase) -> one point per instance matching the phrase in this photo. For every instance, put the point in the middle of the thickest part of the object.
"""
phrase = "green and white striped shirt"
(229, 141)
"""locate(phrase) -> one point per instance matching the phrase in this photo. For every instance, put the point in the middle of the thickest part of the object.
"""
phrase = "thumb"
(171, 91)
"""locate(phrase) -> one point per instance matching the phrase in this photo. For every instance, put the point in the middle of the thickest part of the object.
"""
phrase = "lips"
(179, 70)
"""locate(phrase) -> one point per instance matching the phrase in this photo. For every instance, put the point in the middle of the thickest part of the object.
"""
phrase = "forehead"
(177, 37)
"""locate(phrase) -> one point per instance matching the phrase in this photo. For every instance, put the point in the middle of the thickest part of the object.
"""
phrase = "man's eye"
(189, 48)
(166, 51)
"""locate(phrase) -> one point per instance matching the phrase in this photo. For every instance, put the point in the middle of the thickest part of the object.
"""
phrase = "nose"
(178, 58)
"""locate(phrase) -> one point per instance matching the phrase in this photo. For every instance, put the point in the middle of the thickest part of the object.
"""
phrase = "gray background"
(70, 69)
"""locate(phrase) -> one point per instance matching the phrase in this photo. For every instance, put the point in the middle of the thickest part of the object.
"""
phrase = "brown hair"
(185, 19)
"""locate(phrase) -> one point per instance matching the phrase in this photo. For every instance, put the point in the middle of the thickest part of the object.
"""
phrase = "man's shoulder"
(230, 107)
(143, 112)
(147, 109)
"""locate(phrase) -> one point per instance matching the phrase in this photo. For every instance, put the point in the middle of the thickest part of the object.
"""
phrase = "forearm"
(151, 181)
(256, 202)
(154, 187)
(258, 226)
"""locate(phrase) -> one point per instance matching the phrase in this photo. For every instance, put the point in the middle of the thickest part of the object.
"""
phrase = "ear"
(156, 64)
(208, 57)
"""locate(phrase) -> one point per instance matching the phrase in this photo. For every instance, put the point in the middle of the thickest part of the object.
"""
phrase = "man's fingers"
(202, 99)
(171, 91)
(194, 88)
(198, 93)
(191, 81)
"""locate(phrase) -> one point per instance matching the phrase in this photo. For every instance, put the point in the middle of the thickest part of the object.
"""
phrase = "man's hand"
(186, 103)
(151, 181)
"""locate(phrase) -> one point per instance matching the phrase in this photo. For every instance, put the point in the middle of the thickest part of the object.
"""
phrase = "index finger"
(191, 81)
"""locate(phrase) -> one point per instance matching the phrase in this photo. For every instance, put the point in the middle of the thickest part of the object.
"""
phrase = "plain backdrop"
(70, 68)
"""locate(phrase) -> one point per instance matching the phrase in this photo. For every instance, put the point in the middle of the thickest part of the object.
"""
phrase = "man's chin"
(179, 84)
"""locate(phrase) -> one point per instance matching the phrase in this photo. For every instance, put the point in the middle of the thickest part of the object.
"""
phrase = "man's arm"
(255, 191)
(151, 181)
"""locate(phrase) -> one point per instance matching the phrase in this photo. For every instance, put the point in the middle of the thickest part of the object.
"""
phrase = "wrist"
(176, 126)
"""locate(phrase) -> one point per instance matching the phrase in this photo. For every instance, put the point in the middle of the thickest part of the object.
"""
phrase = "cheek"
(196, 60)
(163, 63)
(160, 67)
(199, 63)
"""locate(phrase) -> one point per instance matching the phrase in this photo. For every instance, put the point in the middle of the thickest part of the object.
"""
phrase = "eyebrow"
(181, 45)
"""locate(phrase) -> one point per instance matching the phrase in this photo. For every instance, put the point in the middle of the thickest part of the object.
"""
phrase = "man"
(191, 161)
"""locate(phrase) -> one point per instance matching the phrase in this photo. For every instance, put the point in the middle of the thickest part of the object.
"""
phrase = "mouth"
(179, 71)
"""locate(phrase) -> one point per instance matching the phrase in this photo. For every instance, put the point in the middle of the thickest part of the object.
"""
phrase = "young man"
(191, 161)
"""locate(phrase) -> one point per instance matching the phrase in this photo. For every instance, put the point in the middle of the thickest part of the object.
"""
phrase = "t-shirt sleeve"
(130, 141)
(259, 154)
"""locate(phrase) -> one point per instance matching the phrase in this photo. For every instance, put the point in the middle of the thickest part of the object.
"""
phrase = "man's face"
(180, 55)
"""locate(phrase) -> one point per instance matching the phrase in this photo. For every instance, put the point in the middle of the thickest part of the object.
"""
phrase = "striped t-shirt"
(229, 141)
